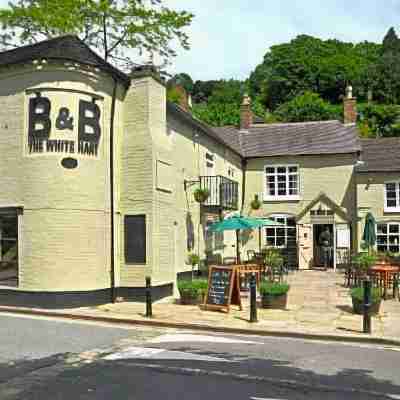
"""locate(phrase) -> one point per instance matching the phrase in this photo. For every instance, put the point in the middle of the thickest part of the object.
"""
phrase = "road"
(57, 360)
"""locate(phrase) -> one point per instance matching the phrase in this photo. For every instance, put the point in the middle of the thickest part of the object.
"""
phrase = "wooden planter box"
(187, 299)
(276, 302)
(358, 307)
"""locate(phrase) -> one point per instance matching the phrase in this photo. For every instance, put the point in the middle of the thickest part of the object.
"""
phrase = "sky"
(230, 37)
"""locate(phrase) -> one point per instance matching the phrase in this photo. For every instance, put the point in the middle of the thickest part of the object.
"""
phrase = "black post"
(395, 287)
(149, 309)
(367, 306)
(253, 298)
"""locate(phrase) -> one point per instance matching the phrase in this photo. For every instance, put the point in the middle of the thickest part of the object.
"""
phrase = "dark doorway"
(323, 246)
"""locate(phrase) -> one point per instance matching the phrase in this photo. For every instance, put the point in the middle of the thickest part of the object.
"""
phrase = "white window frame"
(388, 234)
(392, 209)
(285, 227)
(276, 197)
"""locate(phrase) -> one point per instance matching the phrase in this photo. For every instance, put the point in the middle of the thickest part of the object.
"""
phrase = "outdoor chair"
(250, 255)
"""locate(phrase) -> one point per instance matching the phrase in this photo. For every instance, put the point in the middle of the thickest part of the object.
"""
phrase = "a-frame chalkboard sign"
(223, 288)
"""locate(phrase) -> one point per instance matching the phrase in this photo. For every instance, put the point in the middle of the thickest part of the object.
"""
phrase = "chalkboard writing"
(223, 288)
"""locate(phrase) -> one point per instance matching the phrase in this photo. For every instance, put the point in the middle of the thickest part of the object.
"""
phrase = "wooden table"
(385, 271)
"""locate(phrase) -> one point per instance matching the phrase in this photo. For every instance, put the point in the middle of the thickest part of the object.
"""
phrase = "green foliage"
(195, 288)
(365, 260)
(174, 95)
(255, 204)
(273, 288)
(306, 107)
(378, 120)
(109, 26)
(274, 258)
(315, 65)
(183, 80)
(358, 294)
(193, 259)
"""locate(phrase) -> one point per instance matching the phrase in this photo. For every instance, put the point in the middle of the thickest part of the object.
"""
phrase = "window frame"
(277, 197)
(286, 227)
(388, 234)
(128, 259)
(397, 207)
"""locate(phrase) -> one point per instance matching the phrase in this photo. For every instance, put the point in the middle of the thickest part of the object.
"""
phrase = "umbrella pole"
(237, 247)
(259, 239)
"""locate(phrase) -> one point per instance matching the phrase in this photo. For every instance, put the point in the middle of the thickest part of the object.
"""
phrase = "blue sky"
(230, 37)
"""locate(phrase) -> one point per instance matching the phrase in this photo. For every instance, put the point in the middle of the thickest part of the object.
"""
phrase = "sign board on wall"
(63, 122)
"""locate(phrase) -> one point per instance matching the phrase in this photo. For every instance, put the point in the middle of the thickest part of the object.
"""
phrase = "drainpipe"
(112, 258)
(244, 166)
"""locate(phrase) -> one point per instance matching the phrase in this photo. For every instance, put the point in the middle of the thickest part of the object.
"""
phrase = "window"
(210, 162)
(388, 236)
(392, 196)
(135, 239)
(282, 182)
(9, 247)
(281, 236)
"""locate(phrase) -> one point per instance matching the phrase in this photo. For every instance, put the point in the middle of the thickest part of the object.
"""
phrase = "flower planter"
(358, 307)
(188, 299)
(274, 301)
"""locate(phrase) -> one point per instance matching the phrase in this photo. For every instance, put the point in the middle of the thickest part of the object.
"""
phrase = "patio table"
(385, 272)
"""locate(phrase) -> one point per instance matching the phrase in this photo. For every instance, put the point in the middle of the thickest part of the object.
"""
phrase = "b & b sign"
(63, 122)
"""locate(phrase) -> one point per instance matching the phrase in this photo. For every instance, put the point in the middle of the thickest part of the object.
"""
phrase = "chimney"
(183, 101)
(349, 107)
(246, 115)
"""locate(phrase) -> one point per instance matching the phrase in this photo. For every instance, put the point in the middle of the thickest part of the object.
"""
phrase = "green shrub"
(274, 258)
(273, 288)
(194, 289)
(358, 294)
(365, 261)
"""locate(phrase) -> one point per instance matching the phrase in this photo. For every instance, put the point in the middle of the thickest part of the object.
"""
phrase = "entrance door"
(323, 246)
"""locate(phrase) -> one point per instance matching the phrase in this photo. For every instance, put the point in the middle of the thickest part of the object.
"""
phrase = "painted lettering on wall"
(51, 127)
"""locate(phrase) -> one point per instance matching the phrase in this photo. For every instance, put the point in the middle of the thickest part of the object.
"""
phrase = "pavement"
(319, 307)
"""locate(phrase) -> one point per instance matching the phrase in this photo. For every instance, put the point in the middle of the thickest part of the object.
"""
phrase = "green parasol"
(369, 235)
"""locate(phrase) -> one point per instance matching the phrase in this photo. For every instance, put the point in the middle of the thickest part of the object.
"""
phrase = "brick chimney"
(349, 107)
(246, 115)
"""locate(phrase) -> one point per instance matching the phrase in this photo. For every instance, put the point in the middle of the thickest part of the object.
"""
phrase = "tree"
(307, 107)
(311, 64)
(183, 80)
(380, 120)
(109, 26)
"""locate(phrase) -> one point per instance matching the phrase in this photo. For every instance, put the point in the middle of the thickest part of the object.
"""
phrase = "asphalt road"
(153, 364)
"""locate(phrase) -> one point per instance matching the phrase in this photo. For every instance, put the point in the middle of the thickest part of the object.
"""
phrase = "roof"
(206, 129)
(66, 48)
(305, 138)
(380, 155)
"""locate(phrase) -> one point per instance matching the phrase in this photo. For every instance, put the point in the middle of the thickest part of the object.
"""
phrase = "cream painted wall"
(331, 174)
(65, 223)
(370, 198)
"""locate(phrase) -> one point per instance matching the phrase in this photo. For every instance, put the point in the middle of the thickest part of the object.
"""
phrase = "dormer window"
(281, 182)
(392, 197)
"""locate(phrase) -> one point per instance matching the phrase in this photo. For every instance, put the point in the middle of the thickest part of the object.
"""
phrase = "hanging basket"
(201, 195)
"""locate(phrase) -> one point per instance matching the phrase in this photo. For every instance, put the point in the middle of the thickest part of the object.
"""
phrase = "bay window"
(281, 182)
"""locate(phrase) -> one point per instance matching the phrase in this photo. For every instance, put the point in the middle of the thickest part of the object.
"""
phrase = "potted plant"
(193, 260)
(364, 261)
(274, 260)
(274, 295)
(255, 203)
(192, 291)
(201, 195)
(357, 297)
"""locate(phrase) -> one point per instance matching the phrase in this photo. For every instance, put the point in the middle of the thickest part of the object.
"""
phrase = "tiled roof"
(266, 140)
(66, 48)
(381, 154)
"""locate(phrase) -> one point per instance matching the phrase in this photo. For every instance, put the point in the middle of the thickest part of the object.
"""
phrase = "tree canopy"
(109, 26)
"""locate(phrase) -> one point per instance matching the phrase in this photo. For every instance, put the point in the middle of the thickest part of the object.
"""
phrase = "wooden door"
(305, 243)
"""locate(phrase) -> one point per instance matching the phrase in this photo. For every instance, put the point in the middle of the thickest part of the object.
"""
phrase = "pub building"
(99, 172)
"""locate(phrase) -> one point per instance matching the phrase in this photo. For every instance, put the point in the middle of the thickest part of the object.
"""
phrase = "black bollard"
(149, 309)
(253, 298)
(367, 306)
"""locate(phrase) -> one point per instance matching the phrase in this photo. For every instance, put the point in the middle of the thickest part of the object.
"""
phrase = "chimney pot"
(349, 107)
(246, 115)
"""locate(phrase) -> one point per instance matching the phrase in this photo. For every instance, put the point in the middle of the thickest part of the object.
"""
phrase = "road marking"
(161, 354)
(263, 398)
(170, 338)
